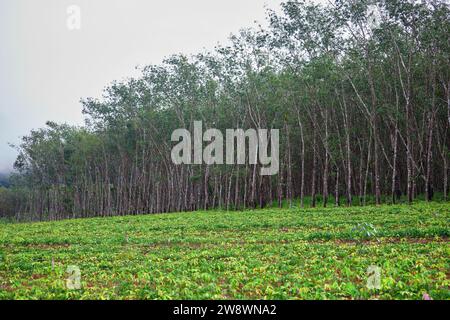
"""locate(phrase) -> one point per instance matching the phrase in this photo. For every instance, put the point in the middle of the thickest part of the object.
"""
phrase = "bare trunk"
(336, 188)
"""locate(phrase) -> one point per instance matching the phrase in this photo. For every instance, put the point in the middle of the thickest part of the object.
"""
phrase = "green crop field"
(261, 254)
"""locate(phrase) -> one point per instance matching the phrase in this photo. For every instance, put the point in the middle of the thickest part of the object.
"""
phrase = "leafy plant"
(257, 254)
(365, 230)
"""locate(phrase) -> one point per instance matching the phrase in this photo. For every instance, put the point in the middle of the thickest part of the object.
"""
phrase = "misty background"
(46, 68)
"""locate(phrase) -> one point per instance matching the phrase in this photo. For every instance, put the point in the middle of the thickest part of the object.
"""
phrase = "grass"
(261, 254)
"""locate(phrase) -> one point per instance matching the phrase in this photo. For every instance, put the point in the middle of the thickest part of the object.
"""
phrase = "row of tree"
(360, 91)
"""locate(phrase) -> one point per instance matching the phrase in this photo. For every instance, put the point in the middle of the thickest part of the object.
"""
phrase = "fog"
(45, 68)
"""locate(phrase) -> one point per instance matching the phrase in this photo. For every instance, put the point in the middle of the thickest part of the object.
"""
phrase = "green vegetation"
(360, 91)
(262, 254)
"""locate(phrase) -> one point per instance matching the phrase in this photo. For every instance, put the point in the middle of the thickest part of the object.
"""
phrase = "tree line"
(360, 91)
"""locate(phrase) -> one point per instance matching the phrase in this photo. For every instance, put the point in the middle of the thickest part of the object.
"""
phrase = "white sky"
(45, 68)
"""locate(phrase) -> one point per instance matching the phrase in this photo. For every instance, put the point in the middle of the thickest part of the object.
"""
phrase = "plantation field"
(261, 254)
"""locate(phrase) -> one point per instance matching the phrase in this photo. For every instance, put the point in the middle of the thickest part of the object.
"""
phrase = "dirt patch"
(42, 246)
(6, 288)
(204, 245)
(191, 245)
(49, 245)
(386, 240)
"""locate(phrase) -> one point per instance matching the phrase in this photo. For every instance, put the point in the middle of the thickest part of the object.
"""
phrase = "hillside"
(261, 254)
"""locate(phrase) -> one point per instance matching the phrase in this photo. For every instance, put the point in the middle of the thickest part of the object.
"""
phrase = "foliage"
(253, 254)
(362, 106)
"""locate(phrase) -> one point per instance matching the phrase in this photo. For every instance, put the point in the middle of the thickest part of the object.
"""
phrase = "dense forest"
(360, 91)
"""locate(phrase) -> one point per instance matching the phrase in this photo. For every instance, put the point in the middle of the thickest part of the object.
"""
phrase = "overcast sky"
(45, 68)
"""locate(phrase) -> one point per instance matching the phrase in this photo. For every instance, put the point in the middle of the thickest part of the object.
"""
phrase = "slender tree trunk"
(336, 188)
(325, 168)
(394, 166)
(289, 168)
(428, 183)
(367, 170)
(313, 179)
(302, 183)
